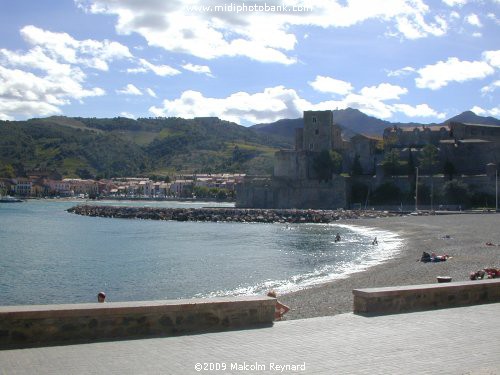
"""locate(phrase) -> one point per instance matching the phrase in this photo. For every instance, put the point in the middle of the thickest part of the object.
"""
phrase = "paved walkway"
(452, 341)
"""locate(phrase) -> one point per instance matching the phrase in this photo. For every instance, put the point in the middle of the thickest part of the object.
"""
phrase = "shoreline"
(466, 245)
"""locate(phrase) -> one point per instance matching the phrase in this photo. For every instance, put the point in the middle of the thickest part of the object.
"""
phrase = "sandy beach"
(467, 233)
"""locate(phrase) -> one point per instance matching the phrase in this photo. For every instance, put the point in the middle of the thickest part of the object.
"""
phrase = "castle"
(473, 150)
(295, 182)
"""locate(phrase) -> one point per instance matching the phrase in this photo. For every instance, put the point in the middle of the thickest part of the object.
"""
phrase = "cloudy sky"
(249, 62)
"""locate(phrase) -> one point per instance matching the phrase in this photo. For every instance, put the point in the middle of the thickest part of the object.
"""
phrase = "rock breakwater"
(225, 214)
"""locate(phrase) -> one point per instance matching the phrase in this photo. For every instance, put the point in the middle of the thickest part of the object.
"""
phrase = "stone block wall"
(53, 324)
(392, 300)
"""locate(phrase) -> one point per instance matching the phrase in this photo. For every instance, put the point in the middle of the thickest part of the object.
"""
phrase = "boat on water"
(9, 199)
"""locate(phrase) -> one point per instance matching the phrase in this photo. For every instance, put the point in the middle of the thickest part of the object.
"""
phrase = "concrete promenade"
(463, 340)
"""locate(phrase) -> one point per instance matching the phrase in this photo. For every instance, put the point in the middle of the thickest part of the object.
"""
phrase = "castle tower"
(320, 133)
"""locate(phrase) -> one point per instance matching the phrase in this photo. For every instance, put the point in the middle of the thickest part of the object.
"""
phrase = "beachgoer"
(280, 309)
(426, 257)
(486, 273)
(439, 258)
(337, 237)
(101, 296)
(375, 242)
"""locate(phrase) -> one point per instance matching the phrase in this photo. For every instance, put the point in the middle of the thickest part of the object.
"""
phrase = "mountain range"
(353, 121)
(114, 147)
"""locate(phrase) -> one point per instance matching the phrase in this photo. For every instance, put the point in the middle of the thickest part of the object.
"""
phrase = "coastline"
(466, 245)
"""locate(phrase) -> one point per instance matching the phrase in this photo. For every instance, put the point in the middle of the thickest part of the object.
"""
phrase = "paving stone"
(450, 341)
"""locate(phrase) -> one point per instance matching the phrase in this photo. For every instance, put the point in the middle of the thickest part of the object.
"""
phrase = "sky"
(249, 61)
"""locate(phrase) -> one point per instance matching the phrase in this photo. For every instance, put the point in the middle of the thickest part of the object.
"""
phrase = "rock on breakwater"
(226, 214)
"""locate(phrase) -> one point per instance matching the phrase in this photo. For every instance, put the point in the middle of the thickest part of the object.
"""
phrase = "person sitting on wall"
(280, 309)
(101, 296)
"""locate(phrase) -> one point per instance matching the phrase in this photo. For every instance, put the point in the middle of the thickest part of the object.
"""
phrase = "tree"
(356, 169)
(387, 193)
(391, 162)
(428, 160)
(456, 192)
(449, 169)
(325, 163)
(411, 163)
(7, 171)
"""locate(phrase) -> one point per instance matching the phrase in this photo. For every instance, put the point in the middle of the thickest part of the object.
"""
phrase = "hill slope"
(90, 147)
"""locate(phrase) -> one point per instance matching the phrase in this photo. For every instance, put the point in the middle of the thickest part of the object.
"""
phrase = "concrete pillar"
(490, 170)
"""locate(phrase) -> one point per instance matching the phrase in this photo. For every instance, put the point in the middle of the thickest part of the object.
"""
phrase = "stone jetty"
(227, 214)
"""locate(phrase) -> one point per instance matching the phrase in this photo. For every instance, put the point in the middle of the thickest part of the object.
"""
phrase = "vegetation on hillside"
(96, 148)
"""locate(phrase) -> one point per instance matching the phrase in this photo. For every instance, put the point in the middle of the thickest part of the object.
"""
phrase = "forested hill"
(92, 147)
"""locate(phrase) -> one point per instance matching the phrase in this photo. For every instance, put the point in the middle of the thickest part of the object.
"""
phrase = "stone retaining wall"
(425, 297)
(52, 324)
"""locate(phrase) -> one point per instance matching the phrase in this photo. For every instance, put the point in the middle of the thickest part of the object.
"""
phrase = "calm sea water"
(50, 256)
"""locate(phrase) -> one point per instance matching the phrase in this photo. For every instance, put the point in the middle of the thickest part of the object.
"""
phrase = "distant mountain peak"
(471, 117)
(354, 121)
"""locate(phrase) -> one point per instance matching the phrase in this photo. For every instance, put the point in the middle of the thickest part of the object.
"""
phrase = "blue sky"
(249, 61)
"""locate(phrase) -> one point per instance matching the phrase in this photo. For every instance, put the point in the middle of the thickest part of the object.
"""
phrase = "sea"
(49, 256)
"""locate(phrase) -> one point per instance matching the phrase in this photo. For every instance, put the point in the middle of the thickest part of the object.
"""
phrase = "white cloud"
(495, 111)
(128, 115)
(160, 70)
(492, 58)
(61, 46)
(493, 17)
(270, 105)
(50, 74)
(453, 3)
(264, 36)
(280, 102)
(401, 72)
(421, 110)
(200, 69)
(26, 94)
(453, 70)
(331, 85)
(130, 89)
(473, 19)
(151, 92)
(490, 88)
(384, 91)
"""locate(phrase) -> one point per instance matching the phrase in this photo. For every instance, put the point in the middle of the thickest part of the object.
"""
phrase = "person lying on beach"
(426, 257)
(486, 273)
(491, 244)
(280, 309)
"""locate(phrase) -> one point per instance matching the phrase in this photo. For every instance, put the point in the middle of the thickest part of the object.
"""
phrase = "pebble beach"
(462, 236)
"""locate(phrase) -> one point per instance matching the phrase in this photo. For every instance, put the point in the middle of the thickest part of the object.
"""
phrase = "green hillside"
(91, 147)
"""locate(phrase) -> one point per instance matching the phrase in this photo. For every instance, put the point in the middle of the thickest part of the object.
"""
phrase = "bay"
(50, 256)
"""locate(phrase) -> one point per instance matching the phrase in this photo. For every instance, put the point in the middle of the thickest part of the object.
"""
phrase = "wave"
(389, 246)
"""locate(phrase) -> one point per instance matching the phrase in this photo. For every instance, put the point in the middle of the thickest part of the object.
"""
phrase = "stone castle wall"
(287, 193)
